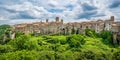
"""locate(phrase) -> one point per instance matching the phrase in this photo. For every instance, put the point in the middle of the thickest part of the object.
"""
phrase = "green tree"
(5, 33)
(90, 33)
(75, 41)
(31, 45)
(106, 36)
(59, 56)
(47, 55)
(88, 55)
(20, 55)
(19, 42)
(6, 49)
(116, 55)
(17, 34)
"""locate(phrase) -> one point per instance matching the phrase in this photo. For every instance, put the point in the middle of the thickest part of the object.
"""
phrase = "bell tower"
(61, 20)
(112, 18)
(57, 19)
(46, 20)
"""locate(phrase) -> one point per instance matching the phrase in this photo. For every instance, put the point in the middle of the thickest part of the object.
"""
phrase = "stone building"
(59, 27)
(47, 27)
(116, 32)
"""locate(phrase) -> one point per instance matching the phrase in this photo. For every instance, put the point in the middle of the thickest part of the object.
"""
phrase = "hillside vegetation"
(91, 46)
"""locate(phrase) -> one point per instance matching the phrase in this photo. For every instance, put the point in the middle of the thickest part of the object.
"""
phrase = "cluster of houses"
(59, 27)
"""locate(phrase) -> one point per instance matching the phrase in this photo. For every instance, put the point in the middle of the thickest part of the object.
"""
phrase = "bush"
(51, 40)
(19, 42)
(20, 55)
(47, 55)
(6, 49)
(90, 33)
(18, 34)
(75, 41)
(4, 31)
(107, 37)
(31, 45)
(59, 56)
(23, 42)
(116, 55)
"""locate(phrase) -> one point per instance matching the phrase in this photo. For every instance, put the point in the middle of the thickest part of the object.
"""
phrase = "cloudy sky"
(20, 11)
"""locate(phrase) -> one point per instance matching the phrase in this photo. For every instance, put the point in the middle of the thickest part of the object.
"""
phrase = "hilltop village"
(59, 27)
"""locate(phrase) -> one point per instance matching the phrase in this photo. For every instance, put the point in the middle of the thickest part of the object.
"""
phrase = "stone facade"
(59, 27)
(47, 27)
(116, 32)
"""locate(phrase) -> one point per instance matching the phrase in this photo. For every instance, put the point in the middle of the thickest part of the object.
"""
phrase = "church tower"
(112, 18)
(57, 19)
(46, 20)
(61, 20)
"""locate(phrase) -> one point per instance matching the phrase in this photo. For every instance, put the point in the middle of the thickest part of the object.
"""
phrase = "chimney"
(112, 18)
(61, 20)
(57, 19)
(46, 20)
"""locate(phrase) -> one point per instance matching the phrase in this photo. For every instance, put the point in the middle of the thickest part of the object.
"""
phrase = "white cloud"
(70, 10)
(2, 18)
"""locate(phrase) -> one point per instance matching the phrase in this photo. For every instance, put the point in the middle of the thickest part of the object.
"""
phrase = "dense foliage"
(4, 32)
(91, 46)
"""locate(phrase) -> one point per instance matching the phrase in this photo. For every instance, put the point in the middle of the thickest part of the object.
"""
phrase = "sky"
(21, 11)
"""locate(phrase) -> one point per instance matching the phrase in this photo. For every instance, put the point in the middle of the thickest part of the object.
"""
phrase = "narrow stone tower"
(46, 20)
(57, 19)
(112, 18)
(61, 20)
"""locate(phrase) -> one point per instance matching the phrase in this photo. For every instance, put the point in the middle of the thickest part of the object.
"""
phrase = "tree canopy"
(91, 46)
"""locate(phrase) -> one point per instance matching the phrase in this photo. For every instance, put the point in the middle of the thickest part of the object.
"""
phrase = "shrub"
(106, 36)
(51, 40)
(47, 55)
(116, 55)
(23, 42)
(6, 49)
(20, 55)
(90, 33)
(75, 41)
